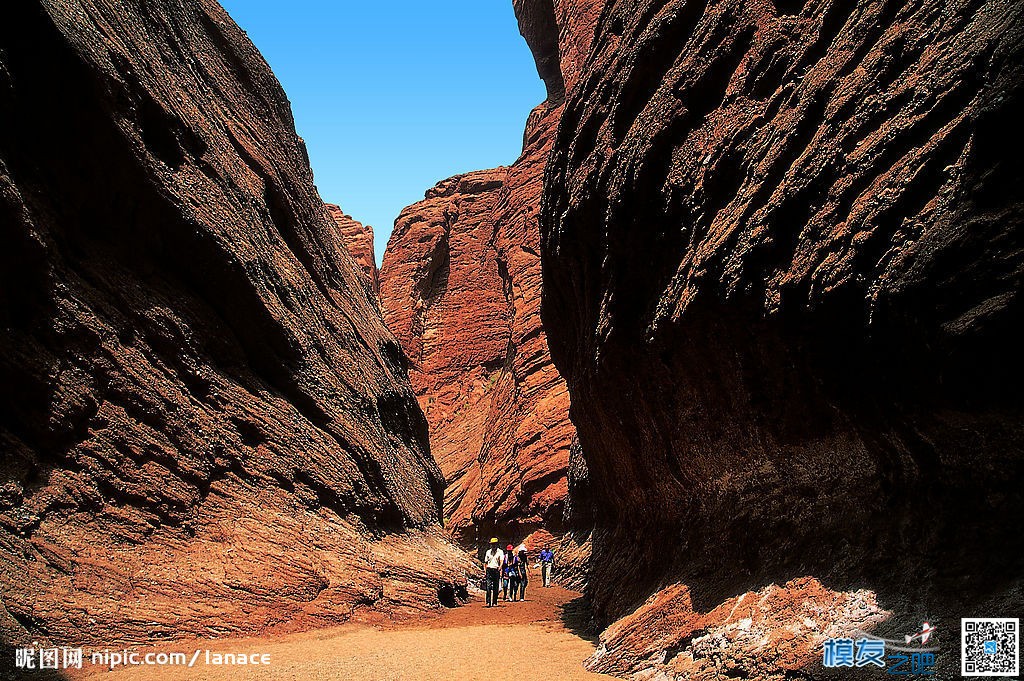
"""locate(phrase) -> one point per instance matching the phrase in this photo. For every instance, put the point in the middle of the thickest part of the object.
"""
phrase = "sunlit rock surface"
(357, 239)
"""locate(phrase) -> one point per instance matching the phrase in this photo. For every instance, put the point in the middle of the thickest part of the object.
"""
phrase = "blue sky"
(393, 96)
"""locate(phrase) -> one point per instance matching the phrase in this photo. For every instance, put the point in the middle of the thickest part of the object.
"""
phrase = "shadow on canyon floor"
(578, 618)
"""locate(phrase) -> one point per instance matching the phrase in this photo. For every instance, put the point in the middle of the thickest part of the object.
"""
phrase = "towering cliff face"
(498, 411)
(357, 239)
(206, 427)
(782, 264)
(460, 288)
(438, 282)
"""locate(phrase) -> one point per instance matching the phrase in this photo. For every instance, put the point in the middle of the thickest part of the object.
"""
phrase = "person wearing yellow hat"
(493, 560)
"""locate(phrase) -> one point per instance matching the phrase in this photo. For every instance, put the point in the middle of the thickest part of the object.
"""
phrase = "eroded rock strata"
(206, 428)
(461, 291)
(497, 409)
(437, 288)
(782, 261)
(358, 241)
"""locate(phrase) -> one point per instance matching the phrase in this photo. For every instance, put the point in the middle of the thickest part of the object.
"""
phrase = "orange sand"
(534, 638)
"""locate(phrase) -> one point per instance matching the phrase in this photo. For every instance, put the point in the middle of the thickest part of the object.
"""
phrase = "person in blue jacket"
(547, 564)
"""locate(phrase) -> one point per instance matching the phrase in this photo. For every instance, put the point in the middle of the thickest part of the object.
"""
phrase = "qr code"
(990, 646)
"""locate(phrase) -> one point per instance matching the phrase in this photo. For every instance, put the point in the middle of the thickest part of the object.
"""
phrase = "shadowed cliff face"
(460, 288)
(782, 260)
(539, 27)
(206, 427)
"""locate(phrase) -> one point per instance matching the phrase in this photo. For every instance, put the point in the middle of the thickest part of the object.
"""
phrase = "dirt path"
(471, 642)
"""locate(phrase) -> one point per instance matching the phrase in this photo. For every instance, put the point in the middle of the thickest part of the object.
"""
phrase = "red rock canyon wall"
(782, 261)
(358, 241)
(205, 426)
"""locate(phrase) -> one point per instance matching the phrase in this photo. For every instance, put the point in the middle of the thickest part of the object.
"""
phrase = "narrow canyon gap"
(461, 290)
(779, 250)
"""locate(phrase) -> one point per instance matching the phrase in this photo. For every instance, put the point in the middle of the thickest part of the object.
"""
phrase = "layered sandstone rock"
(206, 427)
(782, 276)
(498, 412)
(358, 241)
(437, 295)
(461, 291)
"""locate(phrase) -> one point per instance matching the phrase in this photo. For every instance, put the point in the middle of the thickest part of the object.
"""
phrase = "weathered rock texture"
(782, 259)
(442, 297)
(461, 291)
(206, 427)
(772, 634)
(358, 241)
(497, 409)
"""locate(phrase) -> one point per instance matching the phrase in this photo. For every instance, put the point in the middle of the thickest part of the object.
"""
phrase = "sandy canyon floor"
(538, 637)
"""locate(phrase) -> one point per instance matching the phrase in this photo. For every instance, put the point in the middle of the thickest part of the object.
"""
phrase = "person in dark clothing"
(493, 560)
(547, 564)
(510, 575)
(524, 566)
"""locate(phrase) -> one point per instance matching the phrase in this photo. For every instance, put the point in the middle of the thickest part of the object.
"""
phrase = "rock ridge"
(461, 291)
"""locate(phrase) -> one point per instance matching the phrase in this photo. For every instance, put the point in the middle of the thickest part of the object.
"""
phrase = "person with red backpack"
(510, 575)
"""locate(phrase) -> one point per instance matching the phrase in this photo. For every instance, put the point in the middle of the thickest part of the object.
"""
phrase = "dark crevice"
(157, 126)
(708, 93)
(889, 10)
(774, 253)
(768, 74)
(281, 215)
(788, 7)
(832, 22)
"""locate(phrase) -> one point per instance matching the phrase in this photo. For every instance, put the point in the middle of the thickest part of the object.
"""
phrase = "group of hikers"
(506, 572)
